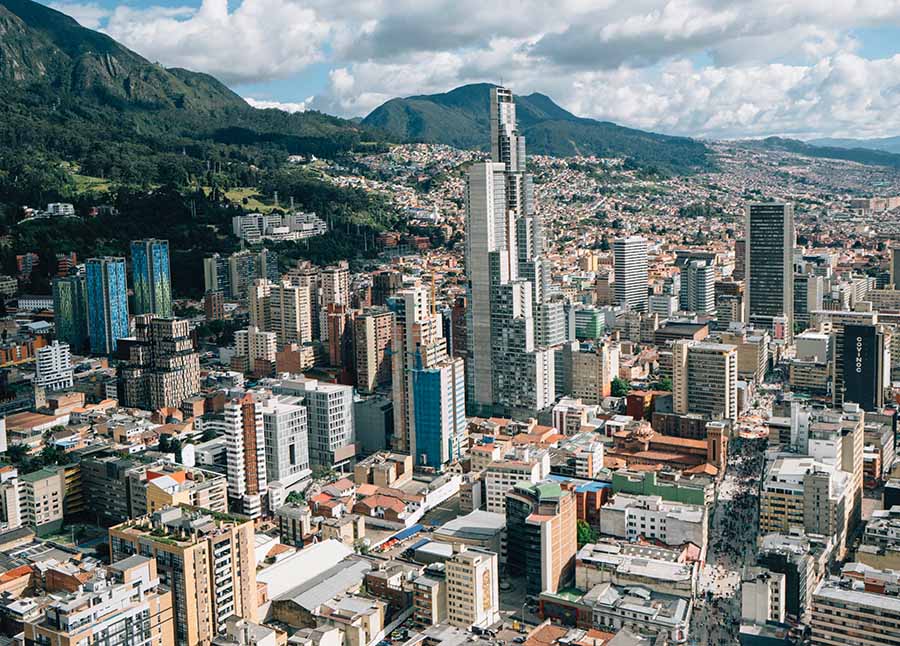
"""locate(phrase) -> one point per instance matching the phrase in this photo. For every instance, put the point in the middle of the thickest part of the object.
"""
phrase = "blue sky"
(708, 68)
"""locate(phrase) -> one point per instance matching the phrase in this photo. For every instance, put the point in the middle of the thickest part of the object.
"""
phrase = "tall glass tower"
(152, 277)
(70, 311)
(107, 302)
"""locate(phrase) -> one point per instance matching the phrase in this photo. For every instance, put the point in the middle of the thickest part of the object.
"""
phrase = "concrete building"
(629, 517)
(860, 607)
(593, 366)
(245, 438)
(641, 610)
(126, 603)
(41, 495)
(769, 264)
(256, 349)
(541, 535)
(207, 560)
(473, 594)
(630, 258)
(763, 597)
(286, 433)
(799, 492)
(624, 564)
(501, 476)
(53, 367)
(698, 285)
(704, 379)
(509, 370)
(373, 330)
(329, 409)
(70, 311)
(163, 366)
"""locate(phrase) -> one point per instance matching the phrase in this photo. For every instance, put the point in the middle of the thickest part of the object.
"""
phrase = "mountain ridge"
(459, 118)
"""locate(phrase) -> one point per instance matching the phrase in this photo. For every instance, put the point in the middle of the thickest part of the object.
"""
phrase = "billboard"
(860, 369)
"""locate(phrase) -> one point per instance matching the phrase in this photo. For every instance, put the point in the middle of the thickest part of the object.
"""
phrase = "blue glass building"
(70, 311)
(107, 301)
(152, 277)
(439, 412)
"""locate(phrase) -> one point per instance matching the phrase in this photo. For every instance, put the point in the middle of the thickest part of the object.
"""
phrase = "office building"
(207, 560)
(697, 292)
(286, 435)
(333, 289)
(53, 367)
(473, 593)
(860, 607)
(157, 486)
(628, 517)
(704, 379)
(41, 495)
(70, 311)
(501, 476)
(630, 258)
(866, 359)
(802, 492)
(541, 536)
(126, 603)
(507, 370)
(439, 413)
(769, 272)
(844, 358)
(895, 267)
(592, 369)
(329, 409)
(107, 303)
(152, 277)
(809, 292)
(163, 366)
(373, 330)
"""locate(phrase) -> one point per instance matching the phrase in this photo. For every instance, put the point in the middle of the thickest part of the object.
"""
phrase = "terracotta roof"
(15, 573)
(677, 441)
(545, 635)
(705, 468)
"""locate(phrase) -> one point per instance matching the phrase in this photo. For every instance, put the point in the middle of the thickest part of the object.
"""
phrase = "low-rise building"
(629, 517)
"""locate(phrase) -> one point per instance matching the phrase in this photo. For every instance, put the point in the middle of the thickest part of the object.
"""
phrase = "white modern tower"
(510, 365)
(630, 257)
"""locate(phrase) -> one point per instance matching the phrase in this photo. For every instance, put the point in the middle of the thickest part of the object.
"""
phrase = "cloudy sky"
(710, 68)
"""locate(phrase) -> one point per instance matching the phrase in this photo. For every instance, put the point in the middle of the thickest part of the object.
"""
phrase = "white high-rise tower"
(510, 365)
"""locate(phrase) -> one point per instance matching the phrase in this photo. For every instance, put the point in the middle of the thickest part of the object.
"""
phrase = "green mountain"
(858, 155)
(460, 118)
(73, 94)
(886, 144)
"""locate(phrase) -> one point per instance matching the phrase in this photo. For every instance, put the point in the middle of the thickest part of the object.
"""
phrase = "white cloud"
(302, 106)
(90, 15)
(699, 67)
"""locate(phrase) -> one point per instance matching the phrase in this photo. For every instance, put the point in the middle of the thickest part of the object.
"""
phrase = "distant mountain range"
(65, 89)
(886, 144)
(460, 118)
(859, 155)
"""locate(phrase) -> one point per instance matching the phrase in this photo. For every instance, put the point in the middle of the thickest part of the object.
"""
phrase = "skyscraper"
(245, 442)
(107, 301)
(508, 371)
(630, 257)
(152, 277)
(373, 330)
(697, 291)
(769, 264)
(428, 385)
(70, 311)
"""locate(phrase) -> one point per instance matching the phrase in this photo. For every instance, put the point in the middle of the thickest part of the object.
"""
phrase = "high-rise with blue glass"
(107, 300)
(70, 311)
(439, 411)
(152, 277)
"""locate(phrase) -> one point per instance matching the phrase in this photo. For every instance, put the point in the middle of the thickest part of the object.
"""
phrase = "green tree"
(620, 387)
(586, 533)
(16, 453)
(664, 384)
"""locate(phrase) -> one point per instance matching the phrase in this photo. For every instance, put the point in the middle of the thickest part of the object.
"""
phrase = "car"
(520, 639)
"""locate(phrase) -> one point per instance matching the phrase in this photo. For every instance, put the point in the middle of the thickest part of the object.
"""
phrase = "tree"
(16, 453)
(586, 533)
(620, 387)
(664, 384)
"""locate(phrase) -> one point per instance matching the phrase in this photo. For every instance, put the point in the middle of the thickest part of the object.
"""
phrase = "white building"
(329, 409)
(500, 477)
(630, 258)
(672, 523)
(60, 209)
(53, 367)
(255, 345)
(256, 227)
(287, 442)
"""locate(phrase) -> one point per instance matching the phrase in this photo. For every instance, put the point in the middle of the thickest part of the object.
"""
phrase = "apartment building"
(206, 559)
(473, 594)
